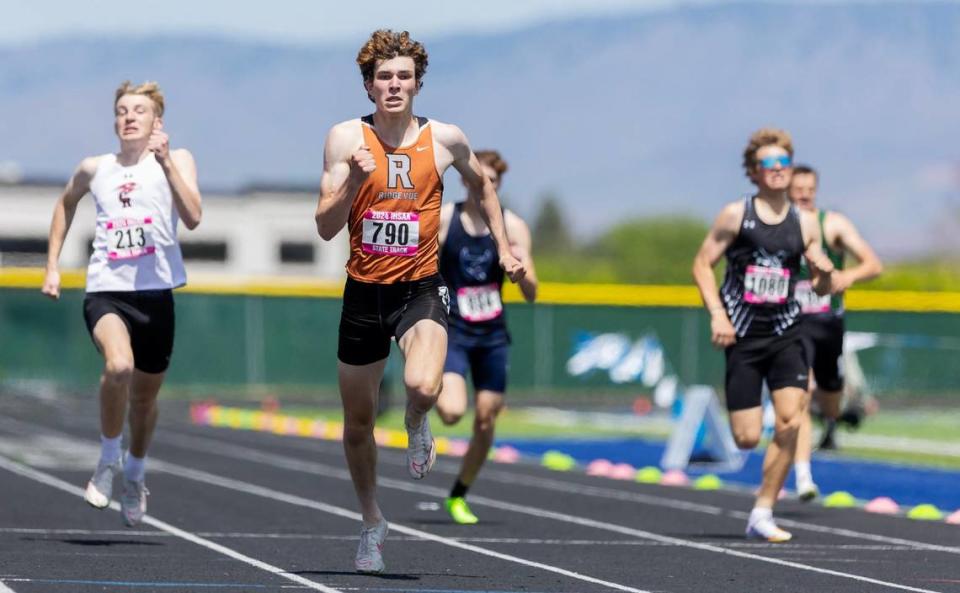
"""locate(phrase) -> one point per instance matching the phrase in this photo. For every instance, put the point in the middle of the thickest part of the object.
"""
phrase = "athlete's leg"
(144, 388)
(789, 404)
(113, 339)
(359, 385)
(806, 488)
(452, 402)
(424, 348)
(489, 405)
(747, 426)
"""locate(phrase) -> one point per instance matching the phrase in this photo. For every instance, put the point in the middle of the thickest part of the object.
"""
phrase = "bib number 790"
(391, 233)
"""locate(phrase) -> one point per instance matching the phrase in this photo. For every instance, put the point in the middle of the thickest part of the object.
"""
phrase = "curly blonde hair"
(765, 137)
(149, 89)
(385, 44)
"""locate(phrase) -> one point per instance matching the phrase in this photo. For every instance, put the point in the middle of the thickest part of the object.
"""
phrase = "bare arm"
(721, 235)
(850, 240)
(181, 172)
(821, 268)
(481, 191)
(521, 247)
(63, 212)
(446, 215)
(346, 165)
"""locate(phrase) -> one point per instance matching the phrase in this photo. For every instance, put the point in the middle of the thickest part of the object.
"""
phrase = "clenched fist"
(362, 163)
(513, 268)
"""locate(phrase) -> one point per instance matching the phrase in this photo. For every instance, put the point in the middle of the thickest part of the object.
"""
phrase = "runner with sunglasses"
(754, 316)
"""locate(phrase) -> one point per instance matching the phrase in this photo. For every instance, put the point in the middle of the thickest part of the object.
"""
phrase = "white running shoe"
(807, 490)
(133, 502)
(767, 530)
(370, 553)
(421, 450)
(100, 487)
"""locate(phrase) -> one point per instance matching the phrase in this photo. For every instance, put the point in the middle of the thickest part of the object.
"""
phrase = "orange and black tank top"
(395, 219)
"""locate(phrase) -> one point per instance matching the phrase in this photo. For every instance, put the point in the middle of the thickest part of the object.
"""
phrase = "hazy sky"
(302, 21)
(291, 21)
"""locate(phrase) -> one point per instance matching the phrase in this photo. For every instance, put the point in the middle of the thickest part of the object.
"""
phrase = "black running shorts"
(149, 317)
(780, 360)
(824, 335)
(375, 313)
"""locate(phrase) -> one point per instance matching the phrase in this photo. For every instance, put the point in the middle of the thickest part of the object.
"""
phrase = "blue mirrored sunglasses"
(772, 161)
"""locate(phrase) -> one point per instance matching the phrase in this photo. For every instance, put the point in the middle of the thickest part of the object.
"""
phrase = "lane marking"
(282, 462)
(196, 475)
(798, 548)
(162, 585)
(49, 480)
(328, 471)
(6, 589)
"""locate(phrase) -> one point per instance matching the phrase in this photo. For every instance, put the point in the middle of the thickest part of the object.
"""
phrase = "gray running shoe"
(133, 502)
(421, 450)
(100, 487)
(370, 553)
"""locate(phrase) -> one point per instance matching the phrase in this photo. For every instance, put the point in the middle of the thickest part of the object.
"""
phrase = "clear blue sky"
(293, 21)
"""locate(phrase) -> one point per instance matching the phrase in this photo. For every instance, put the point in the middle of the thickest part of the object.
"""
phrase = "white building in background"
(252, 233)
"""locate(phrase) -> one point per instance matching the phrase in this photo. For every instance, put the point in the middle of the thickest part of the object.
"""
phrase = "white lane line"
(799, 548)
(282, 462)
(308, 467)
(248, 488)
(59, 484)
(6, 589)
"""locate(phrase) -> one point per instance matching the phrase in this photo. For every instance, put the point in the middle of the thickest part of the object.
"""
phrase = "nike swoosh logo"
(422, 148)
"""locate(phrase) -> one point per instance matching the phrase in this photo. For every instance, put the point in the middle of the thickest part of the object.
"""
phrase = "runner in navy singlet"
(478, 342)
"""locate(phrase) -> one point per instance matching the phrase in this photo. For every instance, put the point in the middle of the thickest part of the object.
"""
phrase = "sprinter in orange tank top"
(383, 179)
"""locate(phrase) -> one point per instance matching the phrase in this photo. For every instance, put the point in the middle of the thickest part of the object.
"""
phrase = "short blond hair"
(149, 89)
(765, 137)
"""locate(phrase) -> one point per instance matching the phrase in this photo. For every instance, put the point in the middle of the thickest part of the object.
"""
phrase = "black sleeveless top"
(472, 271)
(763, 265)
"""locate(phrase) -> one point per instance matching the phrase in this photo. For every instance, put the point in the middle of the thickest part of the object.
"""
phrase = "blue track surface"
(866, 480)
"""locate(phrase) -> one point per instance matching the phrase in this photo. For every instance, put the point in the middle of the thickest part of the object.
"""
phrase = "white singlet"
(135, 246)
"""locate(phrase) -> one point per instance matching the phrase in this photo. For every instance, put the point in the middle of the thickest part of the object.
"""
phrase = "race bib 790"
(391, 233)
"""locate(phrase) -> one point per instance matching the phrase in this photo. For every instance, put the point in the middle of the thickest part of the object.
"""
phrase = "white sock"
(134, 468)
(802, 471)
(759, 514)
(109, 449)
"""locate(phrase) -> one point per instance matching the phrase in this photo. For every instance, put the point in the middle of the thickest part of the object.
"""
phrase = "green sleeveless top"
(837, 257)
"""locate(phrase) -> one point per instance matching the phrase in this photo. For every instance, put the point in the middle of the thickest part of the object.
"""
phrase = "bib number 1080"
(391, 233)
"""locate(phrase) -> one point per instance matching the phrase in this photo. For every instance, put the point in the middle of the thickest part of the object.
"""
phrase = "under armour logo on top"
(124, 193)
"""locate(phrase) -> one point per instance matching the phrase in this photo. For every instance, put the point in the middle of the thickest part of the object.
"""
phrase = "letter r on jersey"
(398, 171)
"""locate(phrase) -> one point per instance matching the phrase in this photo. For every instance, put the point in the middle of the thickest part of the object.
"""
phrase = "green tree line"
(660, 250)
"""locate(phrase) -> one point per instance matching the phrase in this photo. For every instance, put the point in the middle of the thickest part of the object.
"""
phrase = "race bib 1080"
(479, 303)
(129, 238)
(391, 233)
(766, 285)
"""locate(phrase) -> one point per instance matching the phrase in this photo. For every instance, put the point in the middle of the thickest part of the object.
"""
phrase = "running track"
(235, 511)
